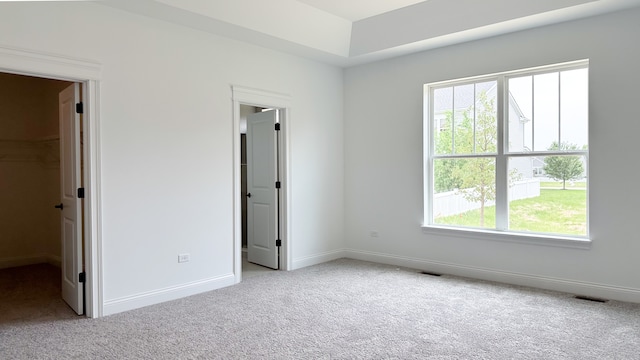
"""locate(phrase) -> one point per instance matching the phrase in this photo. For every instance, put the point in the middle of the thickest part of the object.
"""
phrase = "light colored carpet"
(344, 309)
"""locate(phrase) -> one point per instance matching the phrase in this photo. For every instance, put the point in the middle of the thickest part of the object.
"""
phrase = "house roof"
(346, 33)
(465, 97)
(443, 99)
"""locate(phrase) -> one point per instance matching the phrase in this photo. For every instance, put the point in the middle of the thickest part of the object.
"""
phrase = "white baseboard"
(167, 294)
(542, 282)
(29, 260)
(318, 259)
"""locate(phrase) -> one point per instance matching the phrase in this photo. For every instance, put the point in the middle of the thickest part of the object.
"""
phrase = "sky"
(563, 117)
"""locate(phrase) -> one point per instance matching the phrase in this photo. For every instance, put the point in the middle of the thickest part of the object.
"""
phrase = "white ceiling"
(354, 10)
(350, 32)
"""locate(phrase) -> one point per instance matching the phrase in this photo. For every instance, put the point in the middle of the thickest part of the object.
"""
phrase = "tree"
(475, 178)
(444, 177)
(565, 167)
(479, 185)
(478, 175)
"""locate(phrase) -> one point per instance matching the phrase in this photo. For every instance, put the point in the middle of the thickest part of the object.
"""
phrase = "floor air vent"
(429, 273)
(589, 298)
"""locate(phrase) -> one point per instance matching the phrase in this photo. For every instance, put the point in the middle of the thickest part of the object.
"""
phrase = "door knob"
(248, 195)
(59, 206)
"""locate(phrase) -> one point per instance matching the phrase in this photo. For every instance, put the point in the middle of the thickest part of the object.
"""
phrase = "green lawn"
(558, 184)
(554, 211)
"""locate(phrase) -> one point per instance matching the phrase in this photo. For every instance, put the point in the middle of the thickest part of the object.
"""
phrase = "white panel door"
(72, 289)
(262, 209)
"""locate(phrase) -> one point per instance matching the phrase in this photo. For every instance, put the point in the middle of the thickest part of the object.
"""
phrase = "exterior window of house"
(509, 151)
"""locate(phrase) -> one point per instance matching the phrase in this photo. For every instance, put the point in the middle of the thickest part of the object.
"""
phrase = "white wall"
(166, 143)
(383, 176)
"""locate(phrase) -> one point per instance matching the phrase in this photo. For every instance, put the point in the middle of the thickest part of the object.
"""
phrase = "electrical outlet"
(374, 233)
(184, 258)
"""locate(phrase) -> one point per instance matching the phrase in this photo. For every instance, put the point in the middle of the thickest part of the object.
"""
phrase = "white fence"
(453, 202)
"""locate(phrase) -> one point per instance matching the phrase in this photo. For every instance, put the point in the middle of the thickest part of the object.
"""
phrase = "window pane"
(548, 194)
(464, 192)
(463, 102)
(442, 120)
(574, 107)
(520, 114)
(545, 111)
(486, 118)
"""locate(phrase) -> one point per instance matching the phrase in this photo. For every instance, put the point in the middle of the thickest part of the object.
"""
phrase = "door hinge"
(79, 108)
(82, 277)
(278, 243)
(80, 193)
(277, 126)
(278, 184)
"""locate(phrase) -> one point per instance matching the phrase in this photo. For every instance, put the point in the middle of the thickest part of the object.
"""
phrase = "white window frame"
(501, 233)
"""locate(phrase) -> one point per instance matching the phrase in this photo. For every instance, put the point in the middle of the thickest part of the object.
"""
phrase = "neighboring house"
(538, 166)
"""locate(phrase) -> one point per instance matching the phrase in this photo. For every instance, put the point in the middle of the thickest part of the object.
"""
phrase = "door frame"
(88, 73)
(241, 95)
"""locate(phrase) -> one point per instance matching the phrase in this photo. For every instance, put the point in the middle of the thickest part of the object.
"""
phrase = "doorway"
(260, 190)
(87, 74)
(261, 180)
(31, 144)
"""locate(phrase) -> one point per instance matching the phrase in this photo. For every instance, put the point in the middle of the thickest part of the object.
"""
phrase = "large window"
(509, 151)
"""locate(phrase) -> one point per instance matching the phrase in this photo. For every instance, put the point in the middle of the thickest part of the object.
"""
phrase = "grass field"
(558, 185)
(554, 211)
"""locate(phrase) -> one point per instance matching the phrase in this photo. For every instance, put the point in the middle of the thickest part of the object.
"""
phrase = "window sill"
(512, 237)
